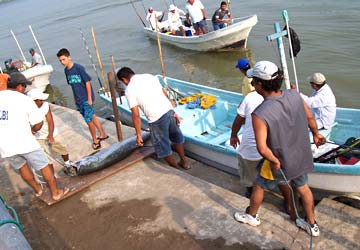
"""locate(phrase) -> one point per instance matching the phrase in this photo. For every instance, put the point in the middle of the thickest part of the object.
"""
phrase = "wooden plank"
(78, 183)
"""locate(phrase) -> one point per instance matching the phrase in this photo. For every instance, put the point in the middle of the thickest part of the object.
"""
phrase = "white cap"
(172, 7)
(263, 70)
(317, 78)
(36, 94)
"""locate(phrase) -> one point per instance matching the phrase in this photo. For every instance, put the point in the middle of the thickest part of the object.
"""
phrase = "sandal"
(102, 138)
(38, 194)
(59, 196)
(184, 166)
(96, 146)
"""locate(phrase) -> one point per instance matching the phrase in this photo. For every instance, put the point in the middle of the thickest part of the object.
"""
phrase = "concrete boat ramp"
(152, 206)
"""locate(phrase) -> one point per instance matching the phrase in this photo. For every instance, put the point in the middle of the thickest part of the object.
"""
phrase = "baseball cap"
(17, 78)
(317, 78)
(242, 63)
(36, 94)
(263, 70)
(172, 7)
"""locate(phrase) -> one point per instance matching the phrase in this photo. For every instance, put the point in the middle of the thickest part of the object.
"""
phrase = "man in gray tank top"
(281, 131)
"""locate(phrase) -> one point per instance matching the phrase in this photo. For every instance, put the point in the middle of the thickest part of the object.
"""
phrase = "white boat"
(39, 76)
(232, 36)
(207, 133)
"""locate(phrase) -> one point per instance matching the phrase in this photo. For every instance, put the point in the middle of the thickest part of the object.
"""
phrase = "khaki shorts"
(52, 150)
(247, 171)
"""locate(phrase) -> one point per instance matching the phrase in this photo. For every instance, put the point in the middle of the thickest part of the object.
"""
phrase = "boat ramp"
(148, 205)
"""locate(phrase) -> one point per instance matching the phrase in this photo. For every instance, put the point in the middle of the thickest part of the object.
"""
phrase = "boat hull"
(207, 133)
(234, 35)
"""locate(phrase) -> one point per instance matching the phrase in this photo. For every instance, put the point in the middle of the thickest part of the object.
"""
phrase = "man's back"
(17, 113)
(145, 91)
(288, 135)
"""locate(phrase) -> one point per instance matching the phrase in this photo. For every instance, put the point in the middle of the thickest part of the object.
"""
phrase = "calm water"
(329, 32)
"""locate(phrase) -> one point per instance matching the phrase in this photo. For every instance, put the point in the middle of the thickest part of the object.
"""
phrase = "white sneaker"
(313, 230)
(247, 218)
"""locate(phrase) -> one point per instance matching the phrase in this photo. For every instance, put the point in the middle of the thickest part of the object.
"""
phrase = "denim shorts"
(36, 159)
(87, 111)
(272, 184)
(200, 24)
(164, 132)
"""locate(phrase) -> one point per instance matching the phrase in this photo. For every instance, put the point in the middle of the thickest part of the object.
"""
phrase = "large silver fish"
(106, 157)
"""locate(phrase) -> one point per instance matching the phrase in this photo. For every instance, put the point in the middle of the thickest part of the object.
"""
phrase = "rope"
(294, 204)
(16, 221)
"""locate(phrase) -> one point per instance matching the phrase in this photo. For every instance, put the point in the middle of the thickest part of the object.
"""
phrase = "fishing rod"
(137, 13)
(38, 45)
(91, 59)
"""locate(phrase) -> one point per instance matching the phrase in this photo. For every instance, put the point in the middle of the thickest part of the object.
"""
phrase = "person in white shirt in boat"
(36, 58)
(153, 17)
(196, 12)
(218, 19)
(322, 101)
(174, 20)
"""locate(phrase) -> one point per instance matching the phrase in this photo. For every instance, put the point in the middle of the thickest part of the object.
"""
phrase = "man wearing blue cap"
(243, 65)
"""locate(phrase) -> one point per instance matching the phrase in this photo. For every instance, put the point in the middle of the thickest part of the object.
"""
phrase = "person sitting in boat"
(174, 20)
(154, 17)
(3, 81)
(196, 12)
(36, 58)
(243, 65)
(218, 19)
(322, 101)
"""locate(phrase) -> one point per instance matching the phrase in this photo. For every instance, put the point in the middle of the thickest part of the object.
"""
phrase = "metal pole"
(286, 19)
(17, 43)
(137, 13)
(37, 43)
(114, 106)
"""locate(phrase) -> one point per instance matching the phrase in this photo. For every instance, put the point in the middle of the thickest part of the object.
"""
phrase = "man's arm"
(204, 13)
(260, 131)
(135, 114)
(88, 92)
(36, 127)
(238, 122)
(318, 138)
(50, 121)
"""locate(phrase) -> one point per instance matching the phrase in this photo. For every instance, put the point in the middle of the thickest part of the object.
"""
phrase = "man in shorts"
(196, 12)
(144, 91)
(18, 116)
(281, 125)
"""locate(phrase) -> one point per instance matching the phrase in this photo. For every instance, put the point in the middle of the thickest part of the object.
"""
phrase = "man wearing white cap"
(48, 136)
(281, 125)
(322, 101)
(174, 20)
(153, 18)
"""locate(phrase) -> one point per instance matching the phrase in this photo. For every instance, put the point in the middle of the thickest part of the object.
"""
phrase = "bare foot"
(184, 164)
(61, 194)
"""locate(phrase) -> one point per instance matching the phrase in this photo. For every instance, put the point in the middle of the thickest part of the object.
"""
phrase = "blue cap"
(243, 63)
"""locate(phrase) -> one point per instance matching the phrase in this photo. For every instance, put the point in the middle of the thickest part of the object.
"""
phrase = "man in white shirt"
(144, 91)
(153, 17)
(196, 12)
(36, 58)
(174, 20)
(19, 118)
(322, 101)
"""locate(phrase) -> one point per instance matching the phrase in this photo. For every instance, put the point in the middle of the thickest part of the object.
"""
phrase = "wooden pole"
(99, 61)
(37, 43)
(114, 105)
(18, 45)
(117, 85)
